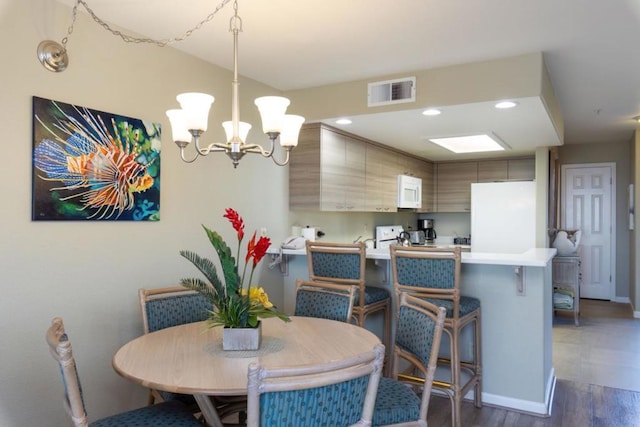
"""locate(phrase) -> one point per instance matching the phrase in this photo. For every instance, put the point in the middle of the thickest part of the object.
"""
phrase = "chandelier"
(190, 121)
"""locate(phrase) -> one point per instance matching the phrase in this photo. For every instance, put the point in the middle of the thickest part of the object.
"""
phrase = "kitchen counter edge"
(535, 257)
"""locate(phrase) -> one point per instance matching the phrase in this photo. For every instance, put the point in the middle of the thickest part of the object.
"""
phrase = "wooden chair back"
(60, 348)
(171, 306)
(428, 272)
(418, 334)
(339, 393)
(342, 263)
(325, 300)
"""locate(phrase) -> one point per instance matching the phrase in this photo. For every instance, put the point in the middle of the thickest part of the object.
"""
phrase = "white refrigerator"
(503, 217)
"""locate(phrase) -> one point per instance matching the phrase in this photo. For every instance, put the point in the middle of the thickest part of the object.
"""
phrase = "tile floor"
(604, 350)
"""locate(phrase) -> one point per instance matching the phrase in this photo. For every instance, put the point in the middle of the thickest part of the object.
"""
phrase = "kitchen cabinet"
(522, 169)
(507, 170)
(493, 170)
(428, 191)
(381, 183)
(327, 171)
(453, 186)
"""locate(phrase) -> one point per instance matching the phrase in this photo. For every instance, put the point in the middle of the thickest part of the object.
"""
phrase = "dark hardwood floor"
(591, 390)
(574, 405)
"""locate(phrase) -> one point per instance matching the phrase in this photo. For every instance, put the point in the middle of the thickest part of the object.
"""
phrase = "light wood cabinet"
(493, 170)
(428, 187)
(381, 188)
(453, 186)
(343, 172)
(507, 170)
(522, 169)
(327, 171)
(331, 170)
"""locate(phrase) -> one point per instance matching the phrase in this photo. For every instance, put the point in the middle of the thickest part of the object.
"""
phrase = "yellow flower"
(258, 295)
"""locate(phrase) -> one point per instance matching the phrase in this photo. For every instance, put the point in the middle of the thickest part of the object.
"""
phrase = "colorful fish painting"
(92, 165)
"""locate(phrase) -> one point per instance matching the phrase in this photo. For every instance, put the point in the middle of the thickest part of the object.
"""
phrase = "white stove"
(387, 235)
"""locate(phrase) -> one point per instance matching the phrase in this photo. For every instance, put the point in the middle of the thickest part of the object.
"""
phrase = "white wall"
(89, 272)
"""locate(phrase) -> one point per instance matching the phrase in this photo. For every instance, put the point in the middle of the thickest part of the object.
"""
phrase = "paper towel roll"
(309, 233)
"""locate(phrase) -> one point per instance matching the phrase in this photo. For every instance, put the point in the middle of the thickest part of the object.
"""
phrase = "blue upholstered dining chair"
(433, 274)
(339, 393)
(166, 307)
(325, 300)
(344, 263)
(417, 341)
(164, 414)
(172, 306)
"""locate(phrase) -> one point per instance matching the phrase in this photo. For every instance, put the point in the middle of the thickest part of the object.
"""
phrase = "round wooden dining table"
(189, 358)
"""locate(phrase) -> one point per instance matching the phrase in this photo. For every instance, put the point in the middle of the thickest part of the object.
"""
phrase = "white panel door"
(587, 205)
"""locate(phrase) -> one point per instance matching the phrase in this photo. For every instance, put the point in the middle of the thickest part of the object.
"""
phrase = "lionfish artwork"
(92, 165)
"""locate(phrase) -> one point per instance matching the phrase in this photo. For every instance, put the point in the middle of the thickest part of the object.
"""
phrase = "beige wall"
(620, 155)
(89, 272)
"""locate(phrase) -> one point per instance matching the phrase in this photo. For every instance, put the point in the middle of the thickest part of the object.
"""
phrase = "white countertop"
(535, 257)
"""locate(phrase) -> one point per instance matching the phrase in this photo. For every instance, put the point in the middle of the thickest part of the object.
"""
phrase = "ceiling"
(589, 49)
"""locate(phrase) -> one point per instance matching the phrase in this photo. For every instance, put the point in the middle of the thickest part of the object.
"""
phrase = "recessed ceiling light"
(469, 144)
(344, 121)
(506, 104)
(431, 112)
(636, 119)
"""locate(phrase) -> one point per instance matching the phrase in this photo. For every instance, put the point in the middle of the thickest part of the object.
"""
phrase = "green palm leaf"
(227, 261)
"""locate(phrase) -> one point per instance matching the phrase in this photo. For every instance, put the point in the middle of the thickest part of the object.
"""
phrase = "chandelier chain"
(132, 39)
(70, 29)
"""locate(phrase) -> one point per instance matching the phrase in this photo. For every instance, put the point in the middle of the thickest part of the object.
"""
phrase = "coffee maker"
(426, 225)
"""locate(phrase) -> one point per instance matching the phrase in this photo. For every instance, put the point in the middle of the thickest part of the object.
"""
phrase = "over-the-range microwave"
(409, 192)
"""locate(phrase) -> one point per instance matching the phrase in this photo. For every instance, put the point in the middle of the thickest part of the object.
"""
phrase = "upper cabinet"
(493, 170)
(507, 170)
(453, 186)
(327, 171)
(331, 170)
(454, 179)
(381, 188)
(522, 169)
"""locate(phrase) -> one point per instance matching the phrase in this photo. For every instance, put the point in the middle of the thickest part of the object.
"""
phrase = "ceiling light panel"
(469, 144)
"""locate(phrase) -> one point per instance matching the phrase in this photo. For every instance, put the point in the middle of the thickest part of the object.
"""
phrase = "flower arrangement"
(234, 305)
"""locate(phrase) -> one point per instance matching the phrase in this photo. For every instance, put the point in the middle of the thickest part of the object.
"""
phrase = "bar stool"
(434, 274)
(345, 263)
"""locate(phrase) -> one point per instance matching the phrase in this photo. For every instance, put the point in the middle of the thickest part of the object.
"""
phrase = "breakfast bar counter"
(515, 293)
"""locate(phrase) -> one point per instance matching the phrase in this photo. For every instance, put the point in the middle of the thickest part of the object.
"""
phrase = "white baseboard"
(536, 408)
(622, 300)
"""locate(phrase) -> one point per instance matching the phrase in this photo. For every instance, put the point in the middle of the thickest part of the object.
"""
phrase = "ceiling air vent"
(392, 91)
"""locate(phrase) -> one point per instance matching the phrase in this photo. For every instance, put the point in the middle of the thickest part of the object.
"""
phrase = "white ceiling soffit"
(522, 128)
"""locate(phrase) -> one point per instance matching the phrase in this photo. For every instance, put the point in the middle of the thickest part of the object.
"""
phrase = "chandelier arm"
(255, 148)
(286, 159)
(184, 159)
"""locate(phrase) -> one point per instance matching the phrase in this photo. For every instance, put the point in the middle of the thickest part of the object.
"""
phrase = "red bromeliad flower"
(250, 247)
(257, 250)
(236, 221)
(260, 249)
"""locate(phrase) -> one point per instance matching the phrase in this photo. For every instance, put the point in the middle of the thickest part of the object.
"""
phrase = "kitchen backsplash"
(349, 226)
(345, 227)
(450, 224)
